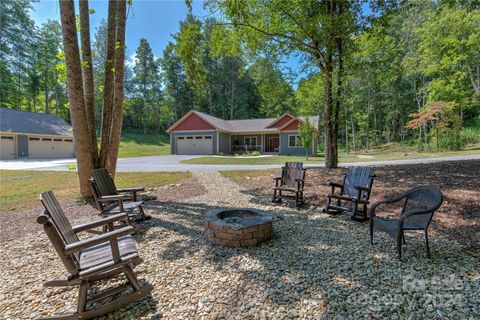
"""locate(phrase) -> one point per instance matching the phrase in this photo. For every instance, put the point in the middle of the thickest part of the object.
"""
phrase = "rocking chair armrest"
(277, 178)
(105, 237)
(132, 189)
(334, 184)
(114, 197)
(99, 223)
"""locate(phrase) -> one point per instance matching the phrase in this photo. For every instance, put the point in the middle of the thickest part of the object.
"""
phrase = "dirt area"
(458, 218)
(21, 224)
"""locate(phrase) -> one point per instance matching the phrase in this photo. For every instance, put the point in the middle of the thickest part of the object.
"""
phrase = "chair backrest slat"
(104, 182)
(356, 176)
(291, 172)
(58, 229)
(58, 217)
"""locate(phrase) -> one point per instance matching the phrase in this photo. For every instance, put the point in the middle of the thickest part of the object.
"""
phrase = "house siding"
(193, 122)
(175, 134)
(285, 150)
(224, 143)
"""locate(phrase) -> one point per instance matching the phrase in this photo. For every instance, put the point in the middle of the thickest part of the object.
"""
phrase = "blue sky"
(154, 20)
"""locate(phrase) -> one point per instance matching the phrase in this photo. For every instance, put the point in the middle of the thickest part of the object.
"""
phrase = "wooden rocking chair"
(354, 192)
(292, 181)
(90, 260)
(111, 200)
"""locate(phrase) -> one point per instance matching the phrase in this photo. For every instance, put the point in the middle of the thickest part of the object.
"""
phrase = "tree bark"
(328, 114)
(118, 86)
(88, 84)
(76, 97)
(108, 88)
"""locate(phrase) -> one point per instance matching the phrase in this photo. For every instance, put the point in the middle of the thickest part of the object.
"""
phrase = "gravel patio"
(315, 267)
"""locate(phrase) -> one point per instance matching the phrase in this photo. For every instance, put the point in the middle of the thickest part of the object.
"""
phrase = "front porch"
(263, 143)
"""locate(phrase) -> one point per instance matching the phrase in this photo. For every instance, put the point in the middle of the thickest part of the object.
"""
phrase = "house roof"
(242, 126)
(18, 121)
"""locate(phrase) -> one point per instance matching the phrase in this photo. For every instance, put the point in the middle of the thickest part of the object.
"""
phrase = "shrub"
(221, 154)
(254, 154)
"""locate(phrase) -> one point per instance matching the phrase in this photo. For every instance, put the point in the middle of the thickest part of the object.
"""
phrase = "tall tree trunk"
(88, 84)
(328, 114)
(76, 98)
(108, 88)
(47, 107)
(119, 87)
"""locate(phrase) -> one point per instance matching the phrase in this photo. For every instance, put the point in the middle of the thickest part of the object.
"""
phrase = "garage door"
(195, 145)
(8, 148)
(43, 148)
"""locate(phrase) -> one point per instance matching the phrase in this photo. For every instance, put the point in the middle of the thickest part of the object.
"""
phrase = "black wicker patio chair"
(419, 205)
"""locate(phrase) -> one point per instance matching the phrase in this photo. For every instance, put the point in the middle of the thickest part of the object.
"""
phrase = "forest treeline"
(412, 75)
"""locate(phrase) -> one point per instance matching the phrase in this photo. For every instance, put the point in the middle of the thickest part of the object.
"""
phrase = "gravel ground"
(316, 266)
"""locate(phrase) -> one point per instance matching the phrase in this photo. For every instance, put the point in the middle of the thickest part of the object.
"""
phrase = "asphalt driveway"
(172, 163)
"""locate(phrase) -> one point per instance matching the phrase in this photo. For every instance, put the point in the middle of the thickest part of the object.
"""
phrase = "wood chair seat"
(128, 207)
(285, 188)
(102, 253)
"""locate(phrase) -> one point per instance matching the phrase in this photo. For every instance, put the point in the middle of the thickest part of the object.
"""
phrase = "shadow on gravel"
(325, 261)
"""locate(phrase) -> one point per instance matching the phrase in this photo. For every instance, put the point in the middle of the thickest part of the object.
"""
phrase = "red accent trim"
(292, 126)
(193, 122)
(281, 121)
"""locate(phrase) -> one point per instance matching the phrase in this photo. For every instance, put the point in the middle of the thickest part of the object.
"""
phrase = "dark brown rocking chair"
(112, 200)
(352, 193)
(419, 205)
(92, 259)
(292, 181)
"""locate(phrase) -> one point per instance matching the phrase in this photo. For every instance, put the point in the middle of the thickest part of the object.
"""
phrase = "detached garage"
(34, 136)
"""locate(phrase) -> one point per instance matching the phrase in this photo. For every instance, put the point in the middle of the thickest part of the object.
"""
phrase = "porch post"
(262, 147)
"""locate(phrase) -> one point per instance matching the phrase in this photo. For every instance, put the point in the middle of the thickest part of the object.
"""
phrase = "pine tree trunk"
(88, 84)
(76, 97)
(108, 88)
(119, 87)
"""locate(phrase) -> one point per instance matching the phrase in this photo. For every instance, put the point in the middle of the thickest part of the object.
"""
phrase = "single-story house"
(34, 135)
(200, 133)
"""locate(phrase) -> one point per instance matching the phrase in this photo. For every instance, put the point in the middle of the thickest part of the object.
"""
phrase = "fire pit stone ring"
(238, 227)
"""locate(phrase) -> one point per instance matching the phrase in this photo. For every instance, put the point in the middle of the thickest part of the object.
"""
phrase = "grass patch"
(390, 152)
(20, 189)
(136, 144)
(252, 160)
(239, 175)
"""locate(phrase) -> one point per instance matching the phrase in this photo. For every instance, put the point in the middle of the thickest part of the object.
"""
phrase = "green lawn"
(388, 152)
(20, 189)
(135, 144)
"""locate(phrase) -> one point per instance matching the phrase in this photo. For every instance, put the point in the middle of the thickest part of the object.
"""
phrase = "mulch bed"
(459, 216)
(20, 224)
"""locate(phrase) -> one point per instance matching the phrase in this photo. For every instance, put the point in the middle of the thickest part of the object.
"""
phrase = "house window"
(57, 140)
(251, 141)
(46, 139)
(7, 138)
(68, 140)
(34, 139)
(294, 141)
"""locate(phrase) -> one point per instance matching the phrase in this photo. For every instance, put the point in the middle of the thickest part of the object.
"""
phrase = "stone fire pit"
(238, 227)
